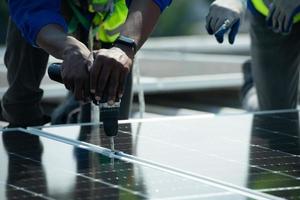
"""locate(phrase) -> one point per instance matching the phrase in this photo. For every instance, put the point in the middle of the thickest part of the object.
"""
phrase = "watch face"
(126, 41)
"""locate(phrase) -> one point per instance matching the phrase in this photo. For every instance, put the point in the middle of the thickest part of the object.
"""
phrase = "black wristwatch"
(127, 41)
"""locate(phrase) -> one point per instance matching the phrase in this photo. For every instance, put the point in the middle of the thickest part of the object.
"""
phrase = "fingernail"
(110, 102)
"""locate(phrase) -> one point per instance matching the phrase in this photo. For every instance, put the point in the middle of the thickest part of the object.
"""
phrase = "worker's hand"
(109, 72)
(75, 70)
(224, 16)
(281, 15)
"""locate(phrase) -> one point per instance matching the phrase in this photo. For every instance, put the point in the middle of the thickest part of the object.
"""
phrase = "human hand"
(281, 15)
(77, 60)
(224, 16)
(109, 72)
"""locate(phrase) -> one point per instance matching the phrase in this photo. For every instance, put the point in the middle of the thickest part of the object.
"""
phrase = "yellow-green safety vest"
(109, 16)
(261, 7)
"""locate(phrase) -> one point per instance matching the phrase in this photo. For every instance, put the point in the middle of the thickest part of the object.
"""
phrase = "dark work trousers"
(275, 65)
(26, 66)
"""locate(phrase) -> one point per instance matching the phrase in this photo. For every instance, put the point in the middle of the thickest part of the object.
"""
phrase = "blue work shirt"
(32, 15)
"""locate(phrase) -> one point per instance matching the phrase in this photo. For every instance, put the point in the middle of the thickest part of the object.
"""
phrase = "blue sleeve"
(31, 16)
(163, 3)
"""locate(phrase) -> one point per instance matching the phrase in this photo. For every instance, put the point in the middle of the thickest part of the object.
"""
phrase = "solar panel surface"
(225, 157)
(34, 167)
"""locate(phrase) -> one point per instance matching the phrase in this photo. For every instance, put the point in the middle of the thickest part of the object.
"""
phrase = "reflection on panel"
(39, 168)
(259, 152)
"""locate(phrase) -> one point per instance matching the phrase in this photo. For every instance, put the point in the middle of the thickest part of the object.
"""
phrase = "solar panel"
(35, 167)
(242, 156)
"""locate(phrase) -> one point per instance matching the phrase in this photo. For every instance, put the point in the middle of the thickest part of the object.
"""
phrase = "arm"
(76, 57)
(42, 24)
(143, 16)
(112, 66)
(31, 16)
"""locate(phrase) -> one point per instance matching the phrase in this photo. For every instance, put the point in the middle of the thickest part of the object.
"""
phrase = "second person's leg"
(275, 62)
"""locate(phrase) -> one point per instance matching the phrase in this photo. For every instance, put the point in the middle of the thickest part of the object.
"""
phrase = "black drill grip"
(54, 72)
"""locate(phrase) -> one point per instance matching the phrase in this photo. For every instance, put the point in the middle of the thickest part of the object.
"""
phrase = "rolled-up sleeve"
(163, 3)
(32, 15)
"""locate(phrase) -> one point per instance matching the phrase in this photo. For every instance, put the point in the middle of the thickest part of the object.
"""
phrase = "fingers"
(102, 81)
(66, 82)
(113, 86)
(76, 79)
(94, 73)
(275, 21)
(213, 24)
(219, 34)
(233, 32)
(269, 18)
(208, 25)
(288, 23)
(222, 29)
(78, 90)
(122, 83)
(87, 96)
(281, 19)
(232, 25)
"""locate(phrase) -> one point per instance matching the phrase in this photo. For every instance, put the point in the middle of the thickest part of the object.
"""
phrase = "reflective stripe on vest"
(105, 24)
(261, 7)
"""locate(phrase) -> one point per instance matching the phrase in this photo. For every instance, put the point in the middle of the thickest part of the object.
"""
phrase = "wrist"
(73, 46)
(238, 6)
(130, 52)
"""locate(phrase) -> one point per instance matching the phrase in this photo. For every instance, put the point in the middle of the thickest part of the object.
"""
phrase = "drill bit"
(109, 116)
(112, 143)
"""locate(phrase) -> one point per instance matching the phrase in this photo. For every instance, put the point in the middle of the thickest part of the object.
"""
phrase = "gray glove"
(224, 16)
(281, 15)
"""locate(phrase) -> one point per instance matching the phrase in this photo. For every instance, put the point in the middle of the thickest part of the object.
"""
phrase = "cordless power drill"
(109, 114)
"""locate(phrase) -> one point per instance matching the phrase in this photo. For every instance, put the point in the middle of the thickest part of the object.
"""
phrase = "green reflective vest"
(261, 7)
(109, 15)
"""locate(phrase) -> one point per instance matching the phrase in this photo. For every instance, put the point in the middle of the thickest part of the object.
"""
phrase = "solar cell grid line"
(94, 175)
(27, 193)
(128, 158)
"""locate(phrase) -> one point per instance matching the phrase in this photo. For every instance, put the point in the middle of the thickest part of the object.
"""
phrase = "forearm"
(142, 17)
(53, 39)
